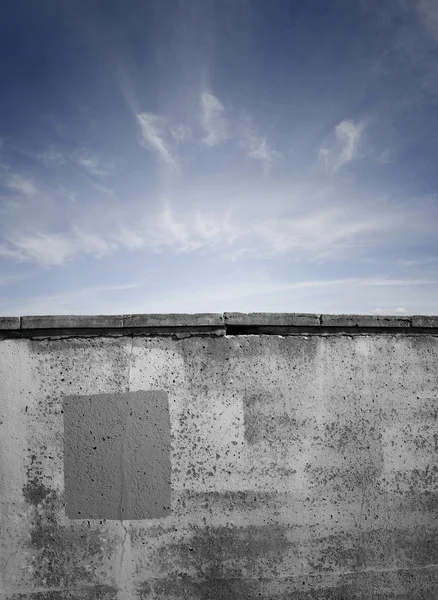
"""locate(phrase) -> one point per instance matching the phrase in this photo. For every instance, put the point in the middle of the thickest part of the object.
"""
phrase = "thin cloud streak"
(152, 130)
(11, 254)
(90, 163)
(348, 134)
(334, 233)
(182, 133)
(19, 183)
(213, 120)
(256, 146)
(45, 248)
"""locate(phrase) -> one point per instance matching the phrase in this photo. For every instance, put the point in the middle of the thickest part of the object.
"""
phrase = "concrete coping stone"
(71, 322)
(364, 321)
(233, 322)
(9, 323)
(174, 320)
(271, 319)
(424, 321)
(116, 321)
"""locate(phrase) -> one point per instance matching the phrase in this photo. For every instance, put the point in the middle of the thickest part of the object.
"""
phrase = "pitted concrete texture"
(117, 456)
(302, 467)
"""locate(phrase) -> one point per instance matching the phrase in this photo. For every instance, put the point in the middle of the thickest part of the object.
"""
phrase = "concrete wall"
(284, 457)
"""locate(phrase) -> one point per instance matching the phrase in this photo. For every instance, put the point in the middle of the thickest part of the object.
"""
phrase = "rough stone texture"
(174, 320)
(117, 456)
(303, 467)
(9, 323)
(364, 321)
(424, 321)
(71, 322)
(274, 319)
(258, 323)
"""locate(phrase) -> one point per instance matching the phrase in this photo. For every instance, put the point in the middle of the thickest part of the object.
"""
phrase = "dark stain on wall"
(260, 427)
(212, 587)
(375, 549)
(220, 550)
(227, 501)
(35, 492)
(423, 502)
(400, 584)
(62, 554)
(96, 592)
(417, 479)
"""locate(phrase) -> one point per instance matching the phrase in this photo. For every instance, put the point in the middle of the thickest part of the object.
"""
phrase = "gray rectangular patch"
(117, 456)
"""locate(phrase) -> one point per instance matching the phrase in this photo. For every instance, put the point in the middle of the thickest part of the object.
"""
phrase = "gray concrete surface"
(303, 466)
(207, 323)
(117, 456)
(71, 321)
(9, 323)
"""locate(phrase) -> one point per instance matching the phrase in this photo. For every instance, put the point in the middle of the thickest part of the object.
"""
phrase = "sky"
(218, 155)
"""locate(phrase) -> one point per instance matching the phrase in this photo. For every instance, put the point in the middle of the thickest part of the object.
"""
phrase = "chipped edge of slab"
(229, 322)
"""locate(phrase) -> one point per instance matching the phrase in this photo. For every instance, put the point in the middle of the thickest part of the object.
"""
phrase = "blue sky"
(218, 155)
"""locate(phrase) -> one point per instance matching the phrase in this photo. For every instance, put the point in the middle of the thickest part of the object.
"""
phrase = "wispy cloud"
(153, 138)
(45, 248)
(80, 157)
(300, 223)
(49, 249)
(162, 231)
(213, 120)
(348, 134)
(316, 235)
(90, 162)
(182, 133)
(19, 183)
(184, 233)
(193, 231)
(50, 157)
(344, 148)
(259, 150)
(11, 253)
(93, 244)
(257, 146)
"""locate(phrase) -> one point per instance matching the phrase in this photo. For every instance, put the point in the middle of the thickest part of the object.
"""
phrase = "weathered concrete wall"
(302, 461)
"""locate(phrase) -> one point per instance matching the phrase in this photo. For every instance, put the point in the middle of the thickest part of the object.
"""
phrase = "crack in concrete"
(125, 558)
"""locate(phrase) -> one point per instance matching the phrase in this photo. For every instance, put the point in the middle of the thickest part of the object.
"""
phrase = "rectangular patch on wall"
(117, 456)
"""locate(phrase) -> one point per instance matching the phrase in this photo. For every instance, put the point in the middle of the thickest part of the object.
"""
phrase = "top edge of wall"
(232, 322)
